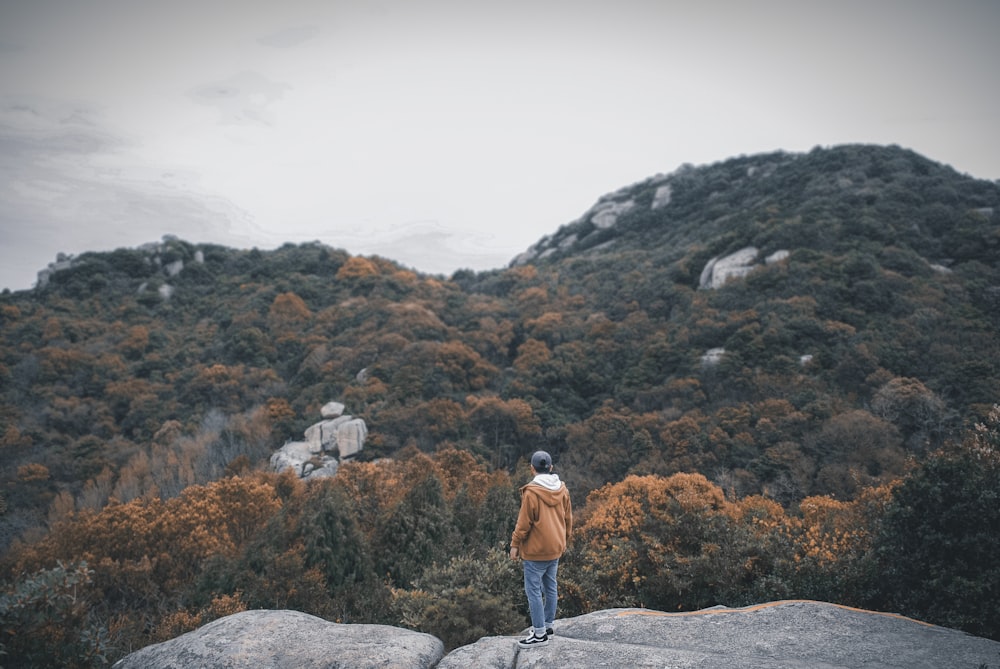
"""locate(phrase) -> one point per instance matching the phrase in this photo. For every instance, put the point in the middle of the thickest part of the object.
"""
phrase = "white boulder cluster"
(336, 438)
(603, 215)
(719, 269)
(154, 252)
(62, 262)
(606, 213)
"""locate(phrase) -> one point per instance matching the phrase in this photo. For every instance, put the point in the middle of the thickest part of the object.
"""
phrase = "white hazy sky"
(445, 134)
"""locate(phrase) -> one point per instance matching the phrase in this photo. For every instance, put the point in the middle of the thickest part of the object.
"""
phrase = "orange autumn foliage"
(169, 539)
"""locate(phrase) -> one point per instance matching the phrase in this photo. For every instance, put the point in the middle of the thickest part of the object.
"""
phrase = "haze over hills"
(786, 327)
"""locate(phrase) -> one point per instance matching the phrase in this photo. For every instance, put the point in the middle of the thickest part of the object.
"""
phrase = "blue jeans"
(540, 586)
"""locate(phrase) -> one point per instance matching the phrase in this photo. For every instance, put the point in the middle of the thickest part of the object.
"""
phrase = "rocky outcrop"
(343, 435)
(62, 262)
(174, 268)
(351, 436)
(712, 357)
(719, 270)
(299, 457)
(289, 640)
(661, 198)
(778, 635)
(154, 252)
(327, 443)
(605, 214)
(602, 216)
(332, 410)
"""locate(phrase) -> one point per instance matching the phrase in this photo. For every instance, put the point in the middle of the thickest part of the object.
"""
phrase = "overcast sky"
(445, 134)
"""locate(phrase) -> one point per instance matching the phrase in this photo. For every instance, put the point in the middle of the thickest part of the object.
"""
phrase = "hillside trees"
(852, 451)
(676, 543)
(45, 623)
(865, 349)
(625, 323)
(917, 411)
(414, 532)
(939, 539)
(419, 541)
(604, 447)
(142, 555)
(465, 599)
(335, 548)
(506, 428)
(664, 543)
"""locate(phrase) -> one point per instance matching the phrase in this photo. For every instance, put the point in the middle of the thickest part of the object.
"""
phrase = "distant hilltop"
(671, 212)
(154, 251)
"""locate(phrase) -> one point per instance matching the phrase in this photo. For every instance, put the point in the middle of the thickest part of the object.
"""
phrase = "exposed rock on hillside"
(327, 443)
(778, 635)
(155, 255)
(718, 270)
(712, 356)
(62, 262)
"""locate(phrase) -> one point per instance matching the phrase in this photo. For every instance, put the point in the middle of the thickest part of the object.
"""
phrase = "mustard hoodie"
(545, 521)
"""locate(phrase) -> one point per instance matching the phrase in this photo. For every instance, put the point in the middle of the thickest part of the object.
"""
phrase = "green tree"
(465, 599)
(664, 543)
(45, 620)
(334, 543)
(414, 533)
(913, 408)
(940, 538)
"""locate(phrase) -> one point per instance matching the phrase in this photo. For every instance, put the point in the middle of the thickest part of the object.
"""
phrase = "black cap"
(541, 461)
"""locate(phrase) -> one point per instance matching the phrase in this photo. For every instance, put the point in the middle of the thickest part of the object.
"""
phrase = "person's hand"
(514, 553)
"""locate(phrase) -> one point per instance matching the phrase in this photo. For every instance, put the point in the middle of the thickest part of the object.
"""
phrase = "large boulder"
(719, 270)
(492, 652)
(605, 214)
(332, 410)
(323, 435)
(778, 635)
(292, 455)
(300, 458)
(345, 434)
(289, 640)
(351, 437)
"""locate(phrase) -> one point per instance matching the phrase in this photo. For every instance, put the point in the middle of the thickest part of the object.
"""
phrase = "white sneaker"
(533, 640)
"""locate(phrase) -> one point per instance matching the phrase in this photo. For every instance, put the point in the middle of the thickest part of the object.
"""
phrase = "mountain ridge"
(621, 215)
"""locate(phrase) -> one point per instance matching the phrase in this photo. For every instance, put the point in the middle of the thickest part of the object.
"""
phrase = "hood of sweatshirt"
(550, 481)
(549, 489)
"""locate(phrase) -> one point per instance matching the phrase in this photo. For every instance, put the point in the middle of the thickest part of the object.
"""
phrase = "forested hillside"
(789, 432)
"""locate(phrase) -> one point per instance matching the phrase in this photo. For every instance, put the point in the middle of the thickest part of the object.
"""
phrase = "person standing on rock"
(540, 537)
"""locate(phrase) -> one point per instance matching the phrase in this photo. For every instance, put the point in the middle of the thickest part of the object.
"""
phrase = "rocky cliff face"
(777, 635)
